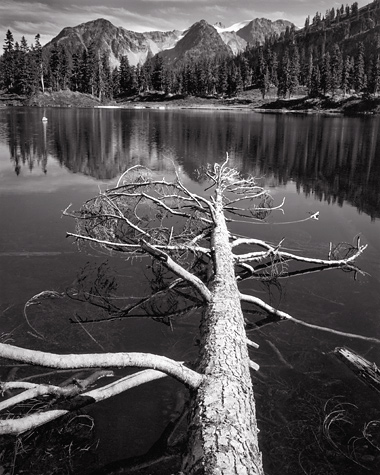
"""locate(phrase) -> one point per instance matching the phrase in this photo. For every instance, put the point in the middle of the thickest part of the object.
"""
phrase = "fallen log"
(368, 372)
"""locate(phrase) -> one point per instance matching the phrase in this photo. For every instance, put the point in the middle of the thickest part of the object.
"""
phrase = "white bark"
(177, 269)
(103, 360)
(251, 256)
(17, 426)
(286, 316)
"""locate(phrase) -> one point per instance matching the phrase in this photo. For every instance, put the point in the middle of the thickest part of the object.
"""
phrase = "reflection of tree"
(27, 142)
(332, 157)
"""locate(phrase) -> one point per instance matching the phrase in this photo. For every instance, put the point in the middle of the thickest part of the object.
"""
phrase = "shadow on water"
(321, 163)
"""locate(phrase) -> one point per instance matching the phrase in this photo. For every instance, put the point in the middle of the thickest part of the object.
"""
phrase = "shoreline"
(248, 101)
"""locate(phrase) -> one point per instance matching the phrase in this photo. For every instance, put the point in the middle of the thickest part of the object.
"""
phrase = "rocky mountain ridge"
(173, 45)
(201, 39)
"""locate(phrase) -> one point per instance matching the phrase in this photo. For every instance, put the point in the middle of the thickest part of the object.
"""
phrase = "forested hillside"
(335, 52)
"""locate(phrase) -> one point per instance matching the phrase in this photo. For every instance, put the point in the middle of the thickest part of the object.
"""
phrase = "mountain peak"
(256, 30)
(201, 39)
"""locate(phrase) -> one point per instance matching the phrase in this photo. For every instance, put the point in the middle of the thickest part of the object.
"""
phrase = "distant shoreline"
(250, 101)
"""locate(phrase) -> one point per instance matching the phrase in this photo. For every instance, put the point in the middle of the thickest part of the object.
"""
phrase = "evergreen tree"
(346, 75)
(168, 79)
(355, 9)
(92, 69)
(37, 66)
(115, 82)
(64, 67)
(103, 78)
(59, 71)
(315, 86)
(54, 67)
(157, 73)
(295, 69)
(83, 73)
(308, 74)
(246, 72)
(374, 78)
(144, 78)
(273, 69)
(265, 83)
(134, 80)
(262, 73)
(8, 61)
(234, 81)
(326, 79)
(284, 80)
(307, 24)
(201, 88)
(125, 77)
(222, 81)
(22, 72)
(359, 82)
(336, 69)
(75, 79)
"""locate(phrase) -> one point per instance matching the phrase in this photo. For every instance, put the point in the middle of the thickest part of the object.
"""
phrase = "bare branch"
(252, 343)
(285, 316)
(122, 216)
(325, 262)
(17, 426)
(124, 246)
(254, 365)
(34, 390)
(241, 258)
(249, 241)
(177, 269)
(119, 181)
(103, 360)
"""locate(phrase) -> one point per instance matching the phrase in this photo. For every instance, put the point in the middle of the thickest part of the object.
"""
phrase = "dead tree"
(188, 238)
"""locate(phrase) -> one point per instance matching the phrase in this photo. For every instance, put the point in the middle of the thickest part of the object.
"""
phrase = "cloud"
(49, 17)
(28, 19)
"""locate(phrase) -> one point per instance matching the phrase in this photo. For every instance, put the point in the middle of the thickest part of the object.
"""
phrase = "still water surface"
(318, 163)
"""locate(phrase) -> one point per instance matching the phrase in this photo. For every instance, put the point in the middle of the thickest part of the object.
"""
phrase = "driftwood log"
(368, 372)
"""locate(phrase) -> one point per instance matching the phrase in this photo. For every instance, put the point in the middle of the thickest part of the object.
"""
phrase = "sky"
(49, 17)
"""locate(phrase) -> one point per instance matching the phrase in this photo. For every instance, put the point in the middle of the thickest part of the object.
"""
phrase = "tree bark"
(223, 434)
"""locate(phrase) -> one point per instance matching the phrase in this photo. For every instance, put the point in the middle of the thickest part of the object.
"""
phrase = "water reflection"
(334, 158)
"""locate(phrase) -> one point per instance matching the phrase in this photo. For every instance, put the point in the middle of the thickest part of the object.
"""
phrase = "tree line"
(28, 69)
(317, 59)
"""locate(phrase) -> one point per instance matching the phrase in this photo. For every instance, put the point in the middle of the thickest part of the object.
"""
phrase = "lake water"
(329, 164)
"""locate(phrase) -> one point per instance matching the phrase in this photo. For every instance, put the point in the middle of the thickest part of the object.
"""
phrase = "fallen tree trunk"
(193, 260)
(368, 372)
(223, 428)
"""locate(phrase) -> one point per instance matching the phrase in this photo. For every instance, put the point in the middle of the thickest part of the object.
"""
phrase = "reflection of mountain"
(335, 158)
